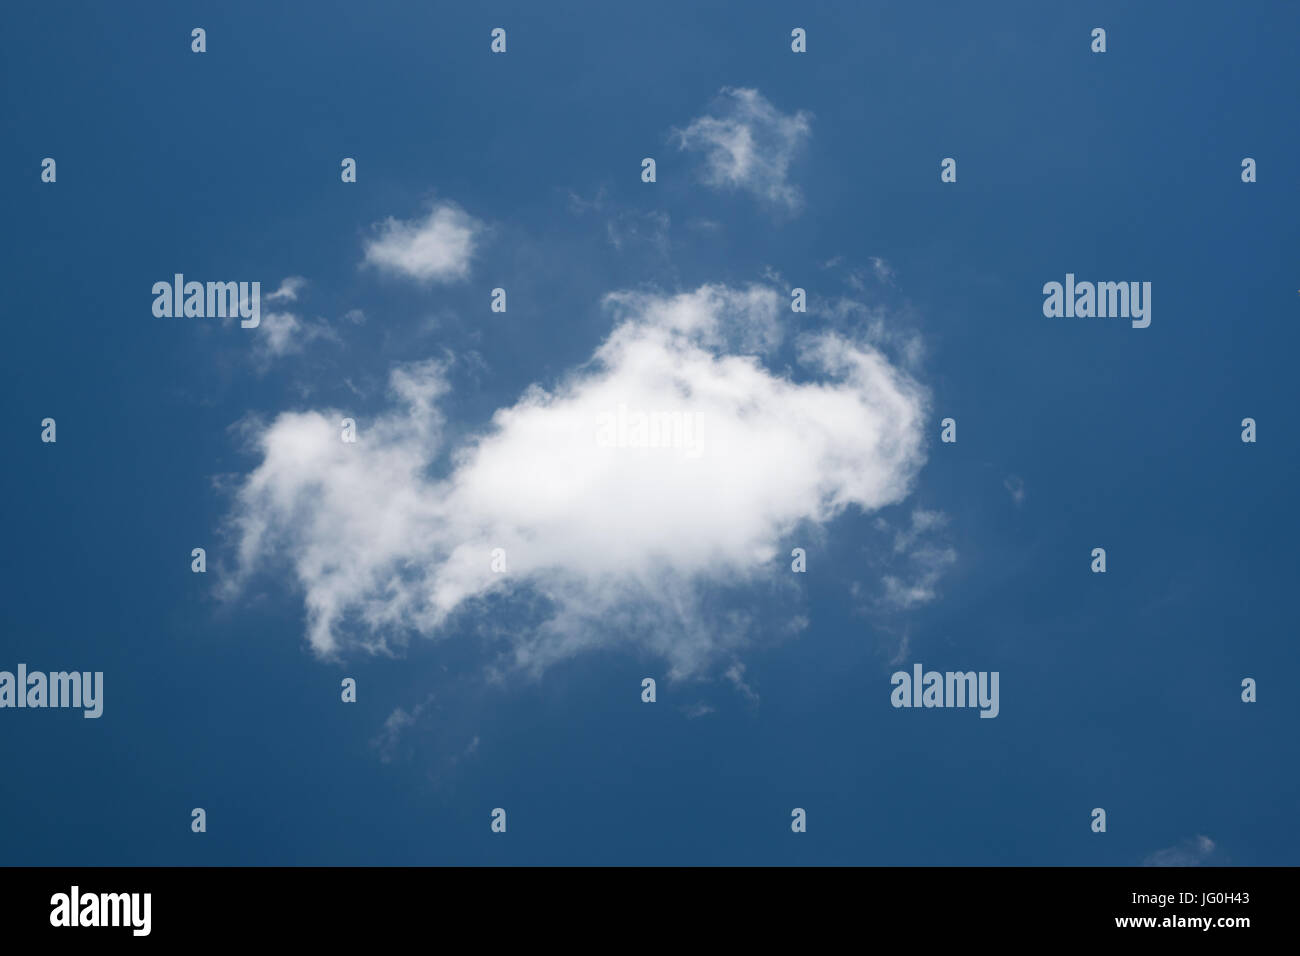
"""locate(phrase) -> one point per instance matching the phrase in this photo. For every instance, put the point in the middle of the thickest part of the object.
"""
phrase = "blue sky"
(1118, 690)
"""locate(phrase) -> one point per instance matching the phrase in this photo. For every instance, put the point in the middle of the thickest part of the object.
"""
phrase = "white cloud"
(437, 248)
(283, 333)
(632, 227)
(288, 291)
(875, 323)
(749, 144)
(1192, 852)
(736, 674)
(695, 710)
(856, 276)
(927, 556)
(393, 535)
(276, 334)
(904, 649)
(923, 522)
(1015, 486)
(919, 588)
(387, 740)
(704, 225)
(579, 206)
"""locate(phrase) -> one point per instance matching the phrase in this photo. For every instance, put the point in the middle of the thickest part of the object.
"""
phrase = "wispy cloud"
(904, 649)
(630, 227)
(749, 144)
(921, 557)
(736, 674)
(288, 291)
(387, 739)
(284, 333)
(1194, 852)
(876, 324)
(699, 709)
(923, 523)
(578, 206)
(707, 226)
(1015, 486)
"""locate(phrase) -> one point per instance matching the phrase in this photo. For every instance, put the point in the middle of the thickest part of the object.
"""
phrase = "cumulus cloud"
(667, 467)
(437, 248)
(749, 144)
